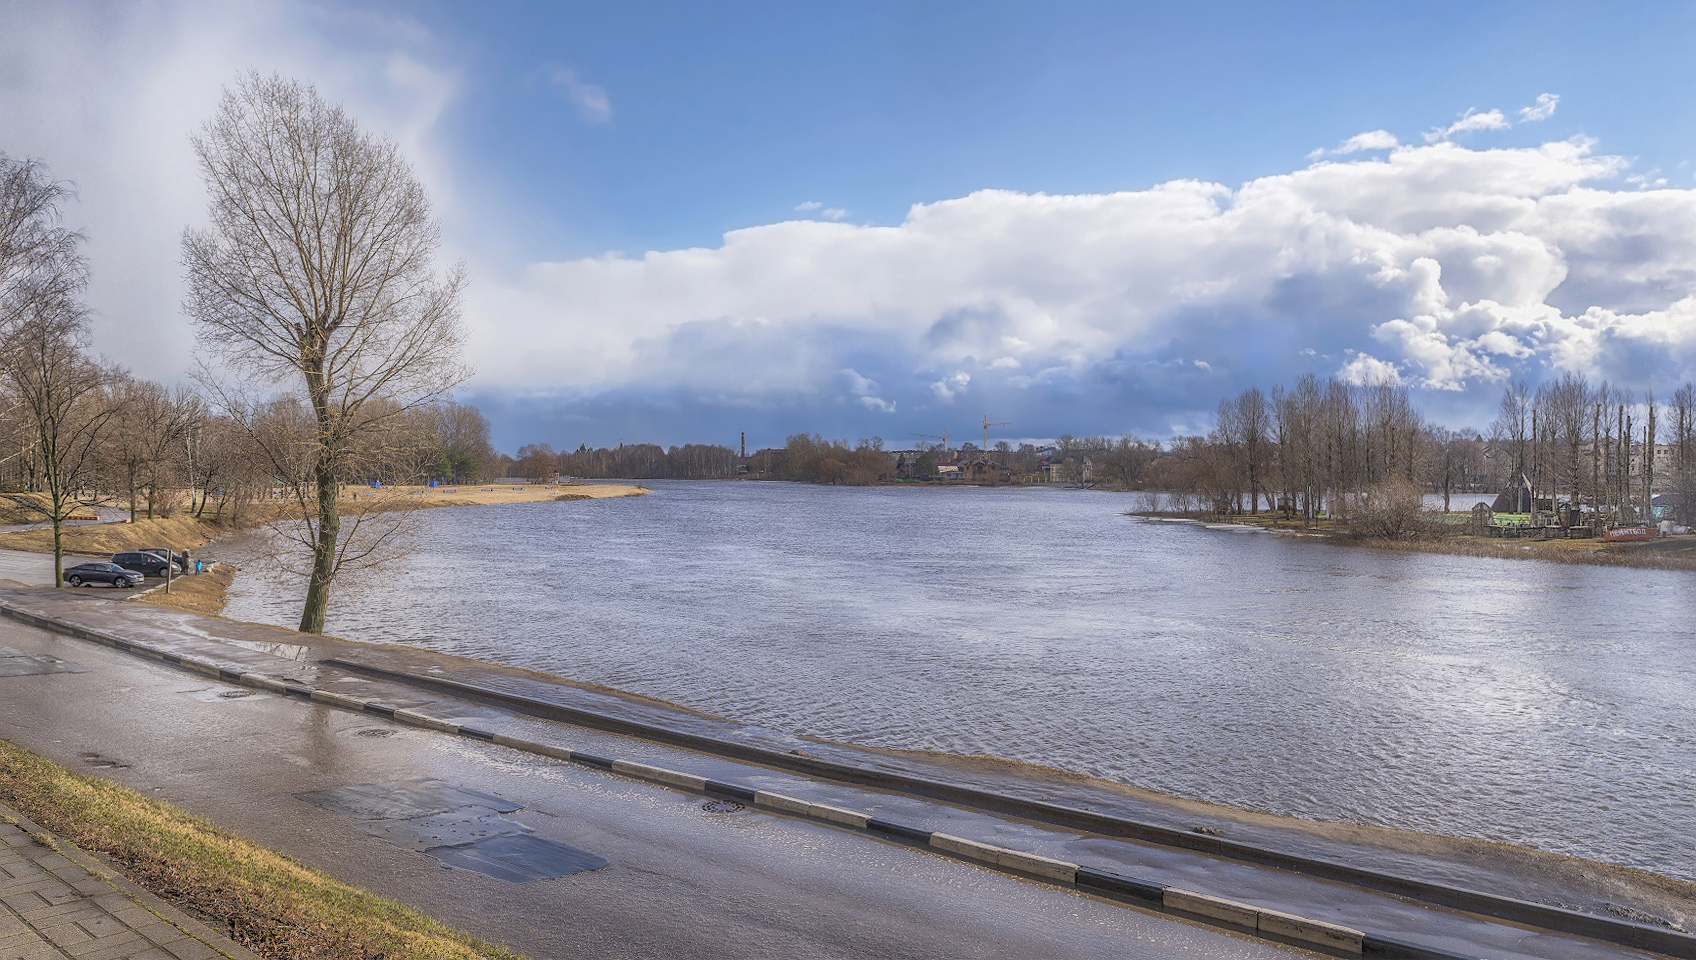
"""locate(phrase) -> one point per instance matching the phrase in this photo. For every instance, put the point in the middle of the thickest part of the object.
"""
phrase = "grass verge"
(203, 593)
(268, 902)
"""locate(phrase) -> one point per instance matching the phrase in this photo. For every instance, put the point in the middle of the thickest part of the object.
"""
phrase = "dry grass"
(183, 532)
(271, 904)
(178, 533)
(31, 507)
(205, 593)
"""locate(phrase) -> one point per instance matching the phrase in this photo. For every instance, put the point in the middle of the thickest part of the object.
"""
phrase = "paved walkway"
(57, 901)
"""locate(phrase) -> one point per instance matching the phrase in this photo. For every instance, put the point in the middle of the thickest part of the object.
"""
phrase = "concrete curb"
(1308, 933)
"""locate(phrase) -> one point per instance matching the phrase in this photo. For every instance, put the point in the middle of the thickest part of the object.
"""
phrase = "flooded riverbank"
(1535, 704)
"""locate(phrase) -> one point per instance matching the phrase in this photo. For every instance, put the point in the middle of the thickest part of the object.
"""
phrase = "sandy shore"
(477, 494)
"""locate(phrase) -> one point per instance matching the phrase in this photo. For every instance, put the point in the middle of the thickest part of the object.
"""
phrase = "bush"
(1392, 510)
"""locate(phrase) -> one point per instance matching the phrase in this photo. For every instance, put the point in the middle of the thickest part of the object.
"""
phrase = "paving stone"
(109, 948)
(65, 934)
(70, 873)
(131, 914)
(41, 951)
(190, 949)
(159, 932)
(18, 941)
(103, 925)
(52, 913)
(22, 903)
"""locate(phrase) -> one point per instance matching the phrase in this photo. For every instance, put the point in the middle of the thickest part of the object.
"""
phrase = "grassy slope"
(108, 538)
(205, 593)
(270, 903)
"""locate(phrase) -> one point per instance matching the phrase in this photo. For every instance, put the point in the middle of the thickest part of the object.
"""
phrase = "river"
(1538, 704)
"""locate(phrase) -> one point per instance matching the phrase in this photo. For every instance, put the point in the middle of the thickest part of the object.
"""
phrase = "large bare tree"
(317, 274)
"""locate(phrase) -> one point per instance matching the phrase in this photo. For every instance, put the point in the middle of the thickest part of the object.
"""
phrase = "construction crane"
(986, 426)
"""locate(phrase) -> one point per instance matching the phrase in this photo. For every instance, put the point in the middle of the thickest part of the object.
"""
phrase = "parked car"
(150, 564)
(168, 554)
(99, 571)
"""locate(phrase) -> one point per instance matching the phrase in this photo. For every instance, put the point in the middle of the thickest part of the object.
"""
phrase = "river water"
(1539, 704)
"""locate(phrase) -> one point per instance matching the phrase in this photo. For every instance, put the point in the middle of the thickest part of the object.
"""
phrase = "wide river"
(1546, 705)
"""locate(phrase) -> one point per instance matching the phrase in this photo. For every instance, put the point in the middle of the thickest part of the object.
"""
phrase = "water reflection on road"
(1538, 704)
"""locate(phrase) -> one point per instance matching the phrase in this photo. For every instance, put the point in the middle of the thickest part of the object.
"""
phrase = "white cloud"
(866, 390)
(1363, 369)
(1543, 109)
(1360, 142)
(592, 103)
(828, 213)
(948, 388)
(1470, 122)
(1451, 267)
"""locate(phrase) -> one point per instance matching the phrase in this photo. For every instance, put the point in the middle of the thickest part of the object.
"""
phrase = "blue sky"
(684, 220)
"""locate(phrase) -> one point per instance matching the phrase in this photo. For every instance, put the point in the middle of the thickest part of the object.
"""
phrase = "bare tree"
(38, 259)
(318, 271)
(65, 400)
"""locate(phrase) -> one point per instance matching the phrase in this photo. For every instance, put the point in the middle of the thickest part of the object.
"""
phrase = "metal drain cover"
(518, 858)
(722, 806)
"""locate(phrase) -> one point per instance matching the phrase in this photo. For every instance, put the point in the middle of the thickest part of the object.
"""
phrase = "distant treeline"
(635, 461)
(1316, 446)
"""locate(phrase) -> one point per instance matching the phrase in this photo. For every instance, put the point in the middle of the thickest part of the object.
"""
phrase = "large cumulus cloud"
(1449, 268)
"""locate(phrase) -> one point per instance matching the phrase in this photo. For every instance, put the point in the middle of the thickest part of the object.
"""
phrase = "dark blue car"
(100, 571)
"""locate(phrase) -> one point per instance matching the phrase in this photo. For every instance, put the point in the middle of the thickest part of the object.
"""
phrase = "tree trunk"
(58, 550)
(323, 551)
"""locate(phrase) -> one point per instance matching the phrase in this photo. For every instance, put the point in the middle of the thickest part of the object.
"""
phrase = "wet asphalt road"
(682, 882)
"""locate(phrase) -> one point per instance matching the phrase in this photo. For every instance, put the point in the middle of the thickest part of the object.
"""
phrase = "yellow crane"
(986, 426)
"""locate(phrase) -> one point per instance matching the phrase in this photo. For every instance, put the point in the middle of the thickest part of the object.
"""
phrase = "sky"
(682, 221)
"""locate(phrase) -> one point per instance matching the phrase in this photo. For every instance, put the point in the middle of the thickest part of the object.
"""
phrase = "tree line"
(1315, 448)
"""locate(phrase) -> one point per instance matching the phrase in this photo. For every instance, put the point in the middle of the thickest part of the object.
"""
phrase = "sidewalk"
(57, 901)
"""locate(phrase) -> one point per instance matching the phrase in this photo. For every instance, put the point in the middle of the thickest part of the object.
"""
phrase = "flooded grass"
(266, 901)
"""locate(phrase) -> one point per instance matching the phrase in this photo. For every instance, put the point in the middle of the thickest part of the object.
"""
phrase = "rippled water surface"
(1540, 704)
